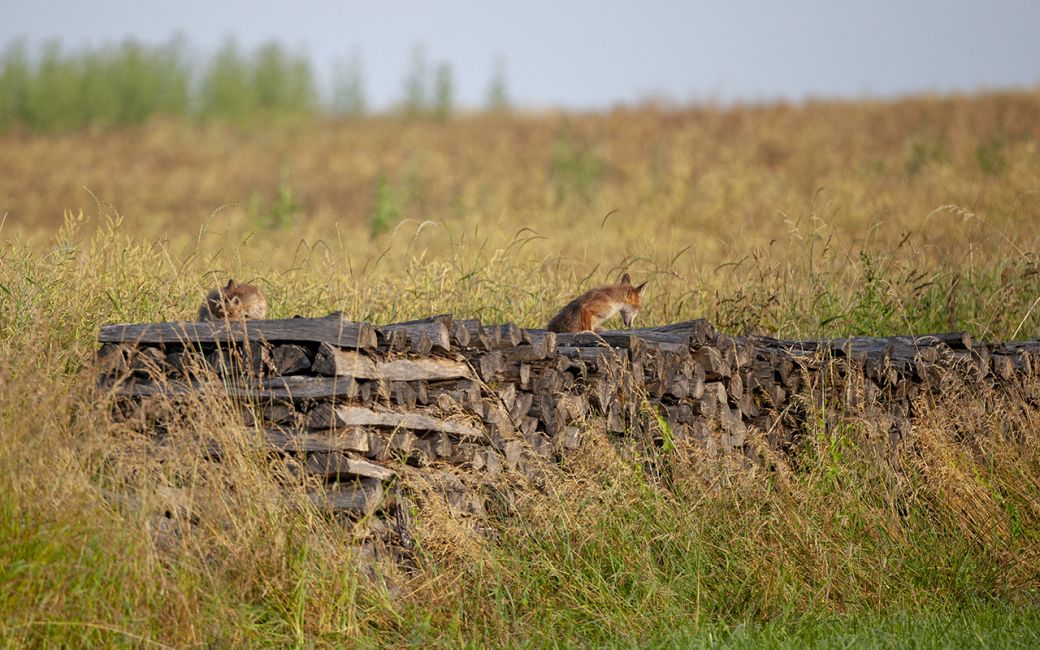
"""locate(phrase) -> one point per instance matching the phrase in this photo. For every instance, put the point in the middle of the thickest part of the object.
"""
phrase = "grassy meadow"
(825, 219)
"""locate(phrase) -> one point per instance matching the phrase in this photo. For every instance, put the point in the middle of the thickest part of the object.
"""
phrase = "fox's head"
(229, 296)
(632, 299)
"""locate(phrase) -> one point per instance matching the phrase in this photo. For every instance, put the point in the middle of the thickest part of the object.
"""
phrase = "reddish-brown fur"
(235, 301)
(589, 310)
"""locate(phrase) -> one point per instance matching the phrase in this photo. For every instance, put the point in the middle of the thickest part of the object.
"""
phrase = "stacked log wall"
(355, 404)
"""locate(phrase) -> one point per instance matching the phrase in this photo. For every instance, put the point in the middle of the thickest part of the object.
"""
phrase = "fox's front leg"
(587, 319)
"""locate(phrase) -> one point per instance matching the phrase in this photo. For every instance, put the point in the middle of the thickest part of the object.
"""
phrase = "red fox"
(236, 301)
(589, 310)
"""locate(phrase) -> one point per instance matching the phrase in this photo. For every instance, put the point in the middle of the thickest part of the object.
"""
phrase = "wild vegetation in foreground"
(913, 230)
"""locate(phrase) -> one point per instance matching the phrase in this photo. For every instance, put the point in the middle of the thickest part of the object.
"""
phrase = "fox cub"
(236, 301)
(589, 310)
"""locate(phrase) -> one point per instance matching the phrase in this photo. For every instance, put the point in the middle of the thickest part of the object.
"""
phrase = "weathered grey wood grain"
(338, 464)
(298, 388)
(333, 362)
(333, 330)
(409, 400)
(300, 440)
(294, 388)
(328, 416)
(356, 498)
(609, 339)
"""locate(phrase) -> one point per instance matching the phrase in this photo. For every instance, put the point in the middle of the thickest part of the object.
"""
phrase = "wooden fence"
(356, 404)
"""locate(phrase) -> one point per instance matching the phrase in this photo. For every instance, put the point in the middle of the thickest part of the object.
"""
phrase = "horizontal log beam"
(339, 464)
(334, 362)
(332, 330)
(354, 498)
(352, 439)
(327, 416)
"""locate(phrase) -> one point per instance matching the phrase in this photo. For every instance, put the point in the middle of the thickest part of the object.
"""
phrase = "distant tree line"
(51, 89)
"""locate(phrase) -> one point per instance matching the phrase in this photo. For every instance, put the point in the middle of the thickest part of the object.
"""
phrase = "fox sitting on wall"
(236, 301)
(589, 310)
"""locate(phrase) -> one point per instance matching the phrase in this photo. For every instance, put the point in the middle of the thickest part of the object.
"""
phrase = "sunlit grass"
(496, 218)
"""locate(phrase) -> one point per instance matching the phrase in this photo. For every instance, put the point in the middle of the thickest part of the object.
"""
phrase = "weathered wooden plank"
(865, 348)
(336, 464)
(612, 339)
(279, 413)
(552, 417)
(540, 444)
(332, 329)
(356, 498)
(352, 439)
(698, 331)
(333, 362)
(326, 416)
(524, 375)
(596, 358)
(296, 388)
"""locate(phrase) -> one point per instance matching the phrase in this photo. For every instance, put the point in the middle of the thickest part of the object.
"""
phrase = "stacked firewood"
(357, 404)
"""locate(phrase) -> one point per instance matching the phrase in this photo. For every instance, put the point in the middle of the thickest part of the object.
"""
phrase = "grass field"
(825, 219)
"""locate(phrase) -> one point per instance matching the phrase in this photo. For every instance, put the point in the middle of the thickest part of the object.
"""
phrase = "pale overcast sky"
(594, 54)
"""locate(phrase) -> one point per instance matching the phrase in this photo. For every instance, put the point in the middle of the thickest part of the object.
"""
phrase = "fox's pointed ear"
(641, 289)
(625, 279)
(230, 283)
(235, 301)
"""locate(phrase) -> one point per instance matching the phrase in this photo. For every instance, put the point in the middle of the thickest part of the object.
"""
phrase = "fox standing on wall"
(589, 310)
(236, 301)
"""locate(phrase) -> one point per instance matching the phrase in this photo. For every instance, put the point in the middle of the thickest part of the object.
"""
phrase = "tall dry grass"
(505, 218)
